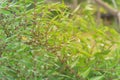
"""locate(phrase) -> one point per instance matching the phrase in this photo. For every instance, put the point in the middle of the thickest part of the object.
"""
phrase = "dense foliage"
(41, 41)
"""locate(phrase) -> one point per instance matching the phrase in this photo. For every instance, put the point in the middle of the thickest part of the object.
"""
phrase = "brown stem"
(107, 7)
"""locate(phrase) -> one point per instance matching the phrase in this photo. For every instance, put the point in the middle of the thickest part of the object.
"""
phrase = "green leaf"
(106, 52)
(74, 63)
(86, 73)
(97, 78)
(6, 12)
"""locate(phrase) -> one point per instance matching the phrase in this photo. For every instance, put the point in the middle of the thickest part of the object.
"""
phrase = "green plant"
(50, 42)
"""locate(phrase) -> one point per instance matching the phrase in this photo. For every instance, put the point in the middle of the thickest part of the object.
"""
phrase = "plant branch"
(107, 7)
